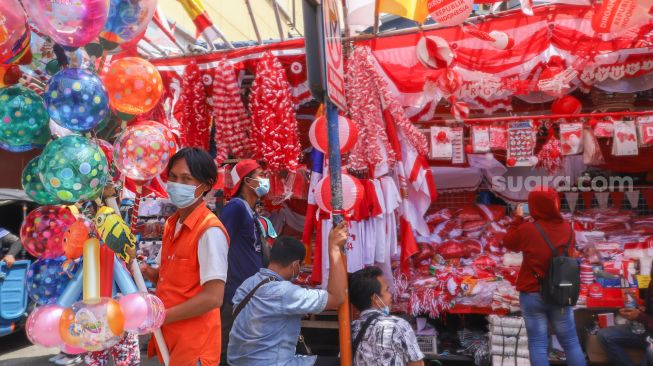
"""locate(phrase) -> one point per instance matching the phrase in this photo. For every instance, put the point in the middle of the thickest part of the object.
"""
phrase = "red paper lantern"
(469, 149)
(347, 134)
(352, 193)
(511, 162)
(566, 105)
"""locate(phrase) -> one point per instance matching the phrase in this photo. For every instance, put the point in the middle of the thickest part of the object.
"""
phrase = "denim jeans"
(537, 316)
(615, 339)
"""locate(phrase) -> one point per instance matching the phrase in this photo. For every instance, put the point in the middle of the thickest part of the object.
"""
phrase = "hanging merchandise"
(274, 127)
(434, 52)
(352, 193)
(625, 139)
(603, 128)
(645, 130)
(556, 77)
(231, 120)
(450, 13)
(520, 144)
(441, 145)
(457, 137)
(571, 138)
(498, 138)
(592, 154)
(347, 134)
(566, 105)
(613, 16)
(480, 139)
(195, 120)
(549, 156)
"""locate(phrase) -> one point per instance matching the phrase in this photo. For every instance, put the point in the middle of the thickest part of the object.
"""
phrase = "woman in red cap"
(544, 206)
(248, 251)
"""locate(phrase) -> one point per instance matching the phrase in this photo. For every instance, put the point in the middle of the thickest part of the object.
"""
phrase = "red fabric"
(179, 280)
(545, 209)
(648, 197)
(617, 199)
(408, 245)
(307, 235)
(588, 197)
(195, 120)
(316, 274)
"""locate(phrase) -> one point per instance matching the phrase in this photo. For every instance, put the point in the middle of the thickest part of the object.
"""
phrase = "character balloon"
(73, 168)
(34, 187)
(23, 119)
(76, 99)
(75, 236)
(69, 23)
(42, 231)
(115, 233)
(134, 85)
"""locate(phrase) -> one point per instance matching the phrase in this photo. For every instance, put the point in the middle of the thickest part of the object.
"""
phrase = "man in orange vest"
(193, 264)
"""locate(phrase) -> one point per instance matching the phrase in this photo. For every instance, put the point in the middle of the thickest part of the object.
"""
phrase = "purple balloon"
(43, 326)
(69, 23)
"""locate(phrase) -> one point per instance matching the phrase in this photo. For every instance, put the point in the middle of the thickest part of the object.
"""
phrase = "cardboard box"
(596, 355)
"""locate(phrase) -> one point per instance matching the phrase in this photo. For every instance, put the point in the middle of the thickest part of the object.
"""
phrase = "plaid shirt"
(389, 341)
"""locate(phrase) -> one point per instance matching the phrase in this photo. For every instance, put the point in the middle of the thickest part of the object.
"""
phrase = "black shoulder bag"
(561, 284)
(361, 334)
(302, 347)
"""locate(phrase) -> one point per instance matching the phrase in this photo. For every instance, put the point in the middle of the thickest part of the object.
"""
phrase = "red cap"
(240, 171)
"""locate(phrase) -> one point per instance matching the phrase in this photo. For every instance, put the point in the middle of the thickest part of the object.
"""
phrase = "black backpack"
(561, 284)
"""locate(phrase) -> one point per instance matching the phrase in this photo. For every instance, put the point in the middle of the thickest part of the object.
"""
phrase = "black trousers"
(227, 321)
(327, 361)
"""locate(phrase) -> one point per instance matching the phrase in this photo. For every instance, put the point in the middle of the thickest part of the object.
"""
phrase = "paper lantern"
(352, 193)
(347, 134)
(450, 12)
(566, 105)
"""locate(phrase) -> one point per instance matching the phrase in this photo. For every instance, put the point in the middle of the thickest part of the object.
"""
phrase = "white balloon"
(58, 131)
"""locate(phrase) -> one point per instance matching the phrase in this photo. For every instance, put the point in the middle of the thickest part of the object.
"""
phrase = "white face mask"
(182, 195)
(385, 309)
(294, 276)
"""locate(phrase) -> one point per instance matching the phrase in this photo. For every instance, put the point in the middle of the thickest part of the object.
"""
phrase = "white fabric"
(381, 242)
(212, 252)
(419, 197)
(326, 226)
(354, 247)
(392, 200)
(510, 361)
(451, 179)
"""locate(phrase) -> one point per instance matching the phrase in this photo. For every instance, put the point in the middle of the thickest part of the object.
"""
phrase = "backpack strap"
(361, 333)
(545, 237)
(249, 296)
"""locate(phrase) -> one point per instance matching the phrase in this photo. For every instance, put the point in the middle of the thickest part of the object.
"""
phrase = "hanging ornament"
(566, 105)
(449, 82)
(441, 145)
(195, 120)
(459, 110)
(352, 193)
(549, 156)
(347, 134)
(501, 40)
(571, 138)
(555, 79)
(450, 12)
(434, 52)
(613, 16)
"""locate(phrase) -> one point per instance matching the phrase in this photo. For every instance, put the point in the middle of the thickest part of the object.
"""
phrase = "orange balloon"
(73, 239)
(65, 328)
(115, 317)
(134, 85)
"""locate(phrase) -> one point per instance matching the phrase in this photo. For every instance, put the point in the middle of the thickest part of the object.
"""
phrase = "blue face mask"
(263, 187)
(385, 309)
(182, 195)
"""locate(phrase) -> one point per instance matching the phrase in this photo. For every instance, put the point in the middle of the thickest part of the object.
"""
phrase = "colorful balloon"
(33, 187)
(73, 168)
(173, 140)
(42, 231)
(14, 32)
(76, 99)
(127, 20)
(69, 23)
(42, 326)
(23, 119)
(75, 236)
(144, 312)
(93, 327)
(58, 131)
(46, 280)
(142, 152)
(107, 149)
(134, 85)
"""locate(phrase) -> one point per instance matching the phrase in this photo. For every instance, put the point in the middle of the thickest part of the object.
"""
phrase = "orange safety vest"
(197, 338)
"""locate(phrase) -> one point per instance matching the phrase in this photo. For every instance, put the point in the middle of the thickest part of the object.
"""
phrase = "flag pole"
(344, 317)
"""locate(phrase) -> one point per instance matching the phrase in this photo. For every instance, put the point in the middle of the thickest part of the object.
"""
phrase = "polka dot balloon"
(73, 168)
(46, 280)
(134, 85)
(141, 152)
(34, 187)
(76, 99)
(23, 119)
(42, 231)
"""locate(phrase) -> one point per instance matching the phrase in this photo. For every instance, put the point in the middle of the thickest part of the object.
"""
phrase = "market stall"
(446, 130)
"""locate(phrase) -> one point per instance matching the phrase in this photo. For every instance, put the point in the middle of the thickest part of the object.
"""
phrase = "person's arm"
(337, 271)
(208, 299)
(408, 343)
(150, 273)
(15, 247)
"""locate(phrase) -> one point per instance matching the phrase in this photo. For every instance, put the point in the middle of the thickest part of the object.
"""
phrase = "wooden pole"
(344, 318)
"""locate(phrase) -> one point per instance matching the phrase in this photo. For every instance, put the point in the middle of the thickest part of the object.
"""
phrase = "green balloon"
(73, 168)
(33, 186)
(23, 119)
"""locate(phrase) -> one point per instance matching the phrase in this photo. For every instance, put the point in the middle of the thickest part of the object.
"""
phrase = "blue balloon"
(46, 280)
(127, 19)
(76, 99)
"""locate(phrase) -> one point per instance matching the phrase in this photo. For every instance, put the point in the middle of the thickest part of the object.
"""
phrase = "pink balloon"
(72, 350)
(69, 23)
(14, 32)
(42, 326)
(143, 312)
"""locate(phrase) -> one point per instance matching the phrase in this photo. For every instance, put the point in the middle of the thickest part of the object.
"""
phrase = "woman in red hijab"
(544, 206)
